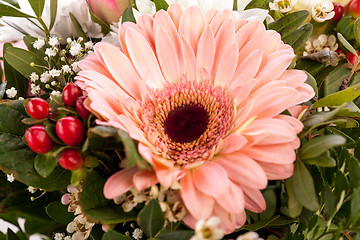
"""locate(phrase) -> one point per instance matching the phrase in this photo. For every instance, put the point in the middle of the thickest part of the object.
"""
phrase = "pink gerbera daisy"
(203, 96)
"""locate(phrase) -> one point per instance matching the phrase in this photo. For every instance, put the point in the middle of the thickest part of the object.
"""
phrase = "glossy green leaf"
(319, 145)
(318, 119)
(289, 23)
(59, 212)
(176, 235)
(45, 164)
(333, 81)
(78, 27)
(16, 157)
(312, 82)
(258, 4)
(353, 167)
(96, 206)
(37, 6)
(303, 187)
(294, 206)
(161, 4)
(77, 176)
(6, 10)
(260, 224)
(20, 59)
(323, 160)
(341, 183)
(346, 27)
(53, 13)
(329, 200)
(355, 208)
(128, 15)
(113, 235)
(2, 89)
(13, 77)
(357, 30)
(346, 44)
(10, 235)
(299, 36)
(151, 218)
(339, 98)
(271, 202)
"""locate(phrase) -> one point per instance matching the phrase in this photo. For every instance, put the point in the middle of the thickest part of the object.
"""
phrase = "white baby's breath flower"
(51, 52)
(31, 189)
(282, 6)
(11, 93)
(323, 11)
(10, 177)
(21, 98)
(35, 88)
(53, 41)
(59, 236)
(75, 49)
(34, 77)
(67, 238)
(66, 69)
(137, 234)
(75, 66)
(89, 45)
(54, 72)
(45, 77)
(249, 236)
(56, 93)
(208, 230)
(39, 43)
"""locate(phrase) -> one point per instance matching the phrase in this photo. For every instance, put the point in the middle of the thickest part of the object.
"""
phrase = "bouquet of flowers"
(174, 119)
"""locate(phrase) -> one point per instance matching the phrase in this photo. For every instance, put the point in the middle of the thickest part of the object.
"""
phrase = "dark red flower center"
(186, 124)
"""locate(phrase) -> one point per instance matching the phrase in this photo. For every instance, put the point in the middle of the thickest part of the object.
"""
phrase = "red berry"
(70, 93)
(37, 108)
(83, 112)
(354, 8)
(71, 159)
(70, 130)
(38, 139)
(352, 59)
(339, 11)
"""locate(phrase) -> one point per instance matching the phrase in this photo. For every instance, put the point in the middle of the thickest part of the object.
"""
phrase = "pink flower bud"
(108, 11)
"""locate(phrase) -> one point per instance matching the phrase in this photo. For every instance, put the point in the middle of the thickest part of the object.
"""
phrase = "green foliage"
(6, 10)
(53, 13)
(45, 164)
(151, 218)
(161, 4)
(113, 235)
(37, 6)
(176, 235)
(258, 4)
(59, 212)
(128, 15)
(78, 27)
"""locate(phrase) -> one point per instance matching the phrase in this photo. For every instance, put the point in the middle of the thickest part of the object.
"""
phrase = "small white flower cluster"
(61, 236)
(169, 200)
(10, 177)
(80, 226)
(322, 43)
(11, 93)
(68, 56)
(137, 234)
(282, 6)
(208, 230)
(249, 236)
(31, 189)
(323, 11)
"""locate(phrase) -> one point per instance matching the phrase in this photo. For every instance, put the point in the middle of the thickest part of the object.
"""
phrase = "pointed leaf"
(53, 13)
(264, 4)
(45, 164)
(346, 27)
(59, 212)
(37, 6)
(288, 24)
(323, 160)
(312, 82)
(294, 206)
(6, 10)
(346, 44)
(355, 208)
(10, 235)
(357, 30)
(151, 218)
(299, 36)
(161, 4)
(128, 15)
(303, 186)
(78, 27)
(319, 145)
(334, 80)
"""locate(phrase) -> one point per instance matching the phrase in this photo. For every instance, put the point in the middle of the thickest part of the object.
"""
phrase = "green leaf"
(6, 10)
(357, 30)
(321, 118)
(288, 24)
(10, 235)
(339, 98)
(355, 208)
(113, 235)
(104, 27)
(260, 224)
(323, 160)
(294, 206)
(319, 145)
(78, 27)
(128, 15)
(16, 157)
(96, 206)
(59, 212)
(161, 4)
(346, 27)
(13, 77)
(299, 37)
(53, 13)
(20, 59)
(334, 80)
(353, 167)
(329, 200)
(303, 186)
(341, 183)
(37, 6)
(2, 89)
(258, 4)
(271, 202)
(312, 82)
(151, 218)
(103, 138)
(45, 164)
(176, 235)
(346, 44)
(29, 40)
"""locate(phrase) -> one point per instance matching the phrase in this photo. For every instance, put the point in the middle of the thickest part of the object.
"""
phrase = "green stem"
(46, 29)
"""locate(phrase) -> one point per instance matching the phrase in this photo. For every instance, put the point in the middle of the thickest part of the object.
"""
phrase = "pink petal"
(219, 19)
(294, 122)
(144, 179)
(243, 170)
(175, 12)
(245, 33)
(211, 179)
(145, 23)
(254, 200)
(277, 171)
(233, 143)
(227, 66)
(205, 51)
(233, 201)
(119, 183)
(277, 153)
(227, 219)
(190, 220)
(92, 63)
(197, 203)
(166, 177)
(189, 59)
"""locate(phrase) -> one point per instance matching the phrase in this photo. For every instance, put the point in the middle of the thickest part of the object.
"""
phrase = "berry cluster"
(69, 129)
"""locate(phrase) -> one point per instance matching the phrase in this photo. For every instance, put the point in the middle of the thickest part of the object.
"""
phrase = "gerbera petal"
(277, 171)
(144, 179)
(276, 153)
(196, 202)
(205, 51)
(254, 200)
(232, 202)
(211, 179)
(233, 143)
(167, 176)
(243, 170)
(175, 12)
(119, 183)
(244, 34)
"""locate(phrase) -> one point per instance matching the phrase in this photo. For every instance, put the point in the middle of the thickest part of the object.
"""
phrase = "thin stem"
(46, 29)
